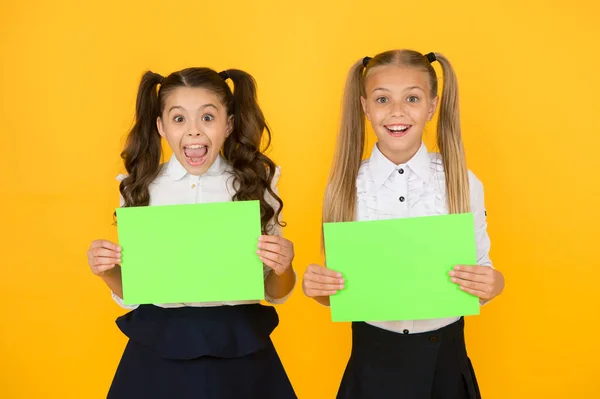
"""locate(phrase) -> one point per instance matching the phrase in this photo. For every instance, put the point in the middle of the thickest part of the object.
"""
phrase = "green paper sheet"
(191, 253)
(398, 269)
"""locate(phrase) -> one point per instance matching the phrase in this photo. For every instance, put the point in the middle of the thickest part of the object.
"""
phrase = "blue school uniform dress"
(214, 350)
(420, 359)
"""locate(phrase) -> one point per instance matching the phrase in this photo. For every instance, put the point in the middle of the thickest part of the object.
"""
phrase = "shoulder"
(438, 164)
(475, 185)
(362, 170)
(436, 161)
(163, 169)
(276, 177)
(268, 196)
(162, 173)
(364, 165)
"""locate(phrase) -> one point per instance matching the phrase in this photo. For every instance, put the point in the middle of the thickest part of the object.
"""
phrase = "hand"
(484, 282)
(276, 252)
(103, 256)
(320, 281)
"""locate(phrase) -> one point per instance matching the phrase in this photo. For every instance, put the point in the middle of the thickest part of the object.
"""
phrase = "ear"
(363, 102)
(229, 126)
(432, 107)
(159, 125)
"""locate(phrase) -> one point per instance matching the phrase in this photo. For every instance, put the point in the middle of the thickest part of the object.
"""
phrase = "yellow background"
(528, 73)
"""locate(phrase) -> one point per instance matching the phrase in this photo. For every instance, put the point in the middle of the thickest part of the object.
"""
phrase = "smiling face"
(398, 104)
(195, 123)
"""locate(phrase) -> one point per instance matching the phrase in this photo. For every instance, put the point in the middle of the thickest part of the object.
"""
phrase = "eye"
(207, 118)
(412, 99)
(382, 100)
(178, 119)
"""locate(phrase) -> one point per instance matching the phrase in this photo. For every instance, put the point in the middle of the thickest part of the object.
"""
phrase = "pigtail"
(142, 151)
(450, 143)
(340, 196)
(253, 170)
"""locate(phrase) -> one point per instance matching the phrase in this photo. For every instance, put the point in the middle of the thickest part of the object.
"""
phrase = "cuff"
(120, 302)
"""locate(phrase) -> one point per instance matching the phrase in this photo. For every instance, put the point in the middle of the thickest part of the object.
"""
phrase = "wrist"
(323, 300)
(285, 274)
(289, 271)
(110, 274)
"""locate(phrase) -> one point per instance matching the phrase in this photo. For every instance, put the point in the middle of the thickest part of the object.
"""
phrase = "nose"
(194, 127)
(398, 109)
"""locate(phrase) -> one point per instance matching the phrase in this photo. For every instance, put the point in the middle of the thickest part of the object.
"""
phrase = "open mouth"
(398, 130)
(195, 154)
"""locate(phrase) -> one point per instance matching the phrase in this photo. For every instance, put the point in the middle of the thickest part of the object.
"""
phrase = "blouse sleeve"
(275, 229)
(115, 297)
(482, 238)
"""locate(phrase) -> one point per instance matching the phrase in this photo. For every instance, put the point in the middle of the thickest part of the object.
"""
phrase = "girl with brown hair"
(201, 350)
(397, 91)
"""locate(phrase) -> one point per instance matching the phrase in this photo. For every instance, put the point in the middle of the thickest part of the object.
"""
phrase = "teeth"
(195, 146)
(398, 128)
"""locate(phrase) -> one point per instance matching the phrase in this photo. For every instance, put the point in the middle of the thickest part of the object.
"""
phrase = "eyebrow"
(202, 107)
(407, 89)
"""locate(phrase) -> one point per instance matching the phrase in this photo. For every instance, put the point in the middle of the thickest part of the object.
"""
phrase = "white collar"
(176, 171)
(382, 168)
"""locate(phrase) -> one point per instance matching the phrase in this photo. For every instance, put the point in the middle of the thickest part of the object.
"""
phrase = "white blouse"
(175, 186)
(417, 188)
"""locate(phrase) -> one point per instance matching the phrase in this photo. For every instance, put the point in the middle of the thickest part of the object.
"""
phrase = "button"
(401, 199)
(433, 338)
(405, 332)
(401, 171)
(193, 186)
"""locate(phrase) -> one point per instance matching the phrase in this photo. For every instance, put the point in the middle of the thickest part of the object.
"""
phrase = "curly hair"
(253, 171)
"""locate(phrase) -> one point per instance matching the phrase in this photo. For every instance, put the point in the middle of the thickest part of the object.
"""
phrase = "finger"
(101, 269)
(106, 261)
(275, 240)
(106, 253)
(474, 269)
(477, 293)
(317, 269)
(273, 257)
(105, 244)
(319, 278)
(314, 293)
(277, 248)
(284, 252)
(481, 278)
(471, 284)
(98, 243)
(321, 286)
(277, 267)
(282, 259)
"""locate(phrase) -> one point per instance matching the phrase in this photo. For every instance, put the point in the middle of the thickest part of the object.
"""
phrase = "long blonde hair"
(340, 197)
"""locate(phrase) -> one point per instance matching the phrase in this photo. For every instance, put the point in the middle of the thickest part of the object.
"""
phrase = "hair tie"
(158, 78)
(366, 61)
(431, 57)
(224, 75)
